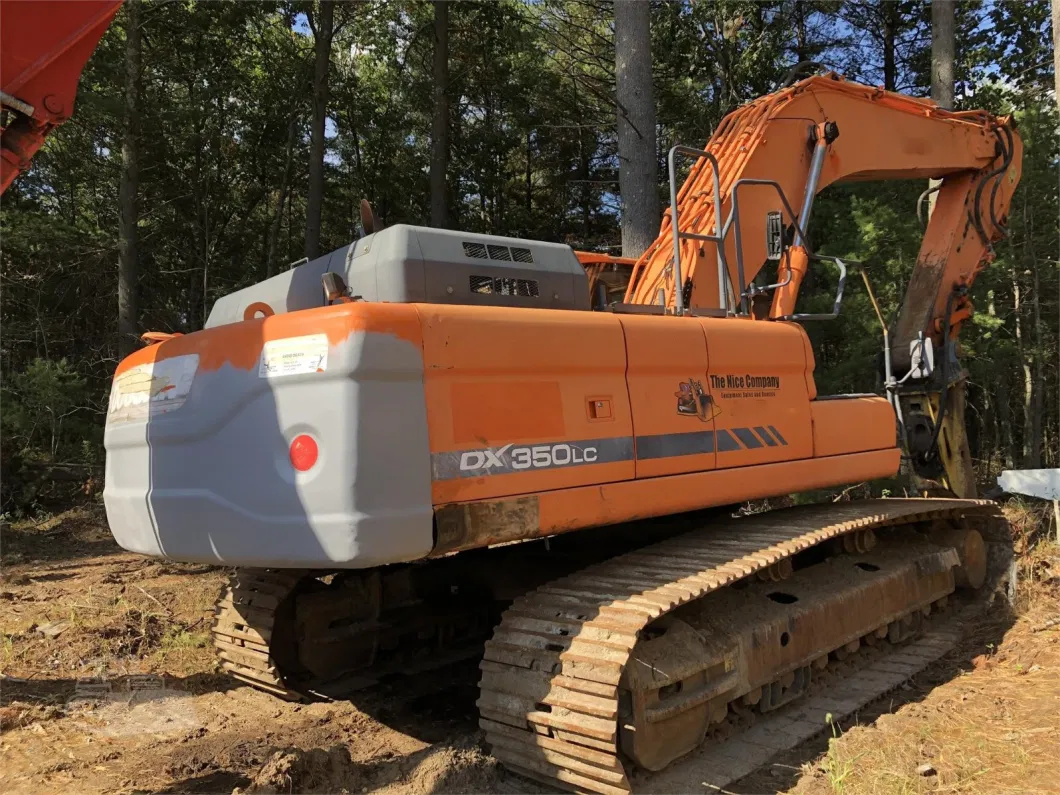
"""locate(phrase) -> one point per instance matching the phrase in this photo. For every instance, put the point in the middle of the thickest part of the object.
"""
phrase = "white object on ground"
(1041, 483)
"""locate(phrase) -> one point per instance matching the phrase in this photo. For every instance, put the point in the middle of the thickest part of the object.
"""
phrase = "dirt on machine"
(429, 442)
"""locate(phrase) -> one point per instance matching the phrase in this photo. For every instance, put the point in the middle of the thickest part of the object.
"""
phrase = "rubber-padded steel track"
(550, 675)
(244, 620)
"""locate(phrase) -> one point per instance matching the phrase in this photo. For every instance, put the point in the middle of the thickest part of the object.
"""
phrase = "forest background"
(214, 143)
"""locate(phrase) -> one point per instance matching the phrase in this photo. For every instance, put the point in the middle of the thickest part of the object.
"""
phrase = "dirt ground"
(108, 685)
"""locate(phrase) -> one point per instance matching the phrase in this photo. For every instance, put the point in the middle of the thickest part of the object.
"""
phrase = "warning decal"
(294, 356)
(152, 388)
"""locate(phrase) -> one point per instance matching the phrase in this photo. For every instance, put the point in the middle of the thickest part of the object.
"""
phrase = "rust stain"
(479, 524)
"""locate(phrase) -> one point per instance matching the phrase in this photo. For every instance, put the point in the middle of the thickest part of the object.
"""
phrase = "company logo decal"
(693, 401)
(745, 386)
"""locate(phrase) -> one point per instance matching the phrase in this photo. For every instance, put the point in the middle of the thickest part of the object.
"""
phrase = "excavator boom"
(820, 131)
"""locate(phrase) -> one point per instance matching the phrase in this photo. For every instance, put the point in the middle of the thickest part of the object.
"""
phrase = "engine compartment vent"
(500, 252)
(487, 285)
(496, 252)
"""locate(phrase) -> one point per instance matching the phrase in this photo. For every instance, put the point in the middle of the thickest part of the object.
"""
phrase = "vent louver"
(495, 252)
(475, 250)
(499, 253)
(486, 285)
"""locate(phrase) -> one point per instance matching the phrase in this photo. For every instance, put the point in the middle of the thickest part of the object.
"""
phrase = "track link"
(243, 626)
(551, 674)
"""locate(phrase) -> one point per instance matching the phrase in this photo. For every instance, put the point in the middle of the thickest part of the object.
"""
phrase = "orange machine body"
(593, 418)
(455, 420)
(711, 411)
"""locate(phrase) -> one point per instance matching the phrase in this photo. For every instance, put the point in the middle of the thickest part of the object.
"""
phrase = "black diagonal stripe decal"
(762, 432)
(748, 439)
(776, 433)
(664, 445)
(725, 443)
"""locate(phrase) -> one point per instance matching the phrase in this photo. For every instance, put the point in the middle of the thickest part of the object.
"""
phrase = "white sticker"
(294, 356)
(152, 388)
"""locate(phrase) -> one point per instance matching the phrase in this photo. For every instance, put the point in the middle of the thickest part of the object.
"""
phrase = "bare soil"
(109, 685)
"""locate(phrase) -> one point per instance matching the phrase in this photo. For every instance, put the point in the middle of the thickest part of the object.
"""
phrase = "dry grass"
(124, 614)
(995, 727)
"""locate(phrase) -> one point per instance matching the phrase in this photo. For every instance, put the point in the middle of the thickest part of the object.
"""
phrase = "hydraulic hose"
(945, 377)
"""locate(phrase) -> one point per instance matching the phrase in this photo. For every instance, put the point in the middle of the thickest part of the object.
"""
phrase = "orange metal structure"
(43, 48)
(881, 135)
(716, 404)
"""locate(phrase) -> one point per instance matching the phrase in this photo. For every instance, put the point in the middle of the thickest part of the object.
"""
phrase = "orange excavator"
(430, 441)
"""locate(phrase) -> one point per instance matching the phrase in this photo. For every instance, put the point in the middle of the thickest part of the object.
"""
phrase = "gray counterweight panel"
(211, 479)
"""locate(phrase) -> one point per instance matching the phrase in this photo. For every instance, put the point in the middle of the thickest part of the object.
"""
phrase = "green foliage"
(41, 404)
(46, 418)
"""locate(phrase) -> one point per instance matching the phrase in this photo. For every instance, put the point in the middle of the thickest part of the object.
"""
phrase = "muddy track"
(551, 680)
(552, 674)
(243, 626)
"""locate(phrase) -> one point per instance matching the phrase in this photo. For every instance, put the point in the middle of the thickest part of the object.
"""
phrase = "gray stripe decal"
(776, 433)
(666, 445)
(511, 458)
(765, 436)
(750, 441)
(726, 444)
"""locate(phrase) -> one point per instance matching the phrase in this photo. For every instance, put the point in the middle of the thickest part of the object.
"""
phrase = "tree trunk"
(529, 180)
(1038, 399)
(285, 187)
(128, 207)
(638, 164)
(801, 52)
(440, 118)
(323, 30)
(586, 188)
(943, 25)
(890, 32)
(1056, 95)
(1056, 50)
(1025, 366)
(1037, 380)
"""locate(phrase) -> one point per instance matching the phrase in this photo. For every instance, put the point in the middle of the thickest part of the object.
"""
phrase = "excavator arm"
(747, 201)
(824, 130)
(43, 48)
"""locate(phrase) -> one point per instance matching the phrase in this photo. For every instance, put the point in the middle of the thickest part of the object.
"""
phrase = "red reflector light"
(303, 452)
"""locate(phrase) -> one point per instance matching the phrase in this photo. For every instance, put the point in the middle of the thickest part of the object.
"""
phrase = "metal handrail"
(733, 221)
(839, 293)
(679, 287)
